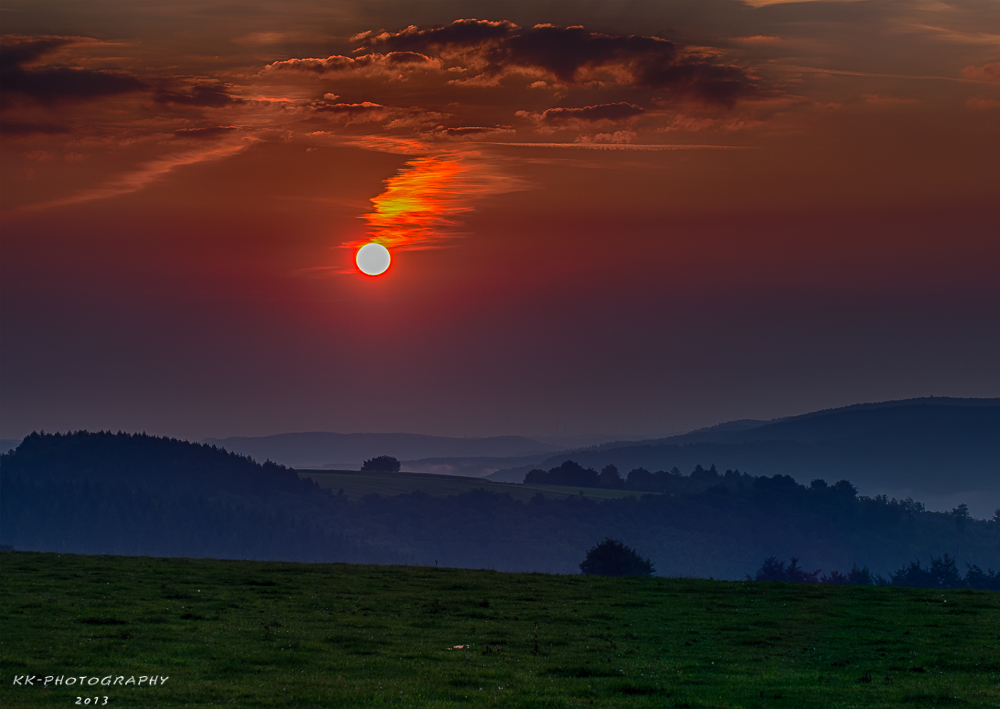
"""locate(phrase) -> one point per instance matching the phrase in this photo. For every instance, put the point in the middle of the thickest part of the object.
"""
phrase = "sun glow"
(373, 259)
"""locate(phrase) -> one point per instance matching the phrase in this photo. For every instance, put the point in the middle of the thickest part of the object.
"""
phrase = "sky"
(627, 218)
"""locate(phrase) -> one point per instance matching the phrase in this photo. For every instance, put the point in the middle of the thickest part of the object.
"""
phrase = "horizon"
(537, 436)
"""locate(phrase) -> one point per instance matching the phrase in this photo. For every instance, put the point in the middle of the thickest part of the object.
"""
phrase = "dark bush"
(612, 558)
(381, 464)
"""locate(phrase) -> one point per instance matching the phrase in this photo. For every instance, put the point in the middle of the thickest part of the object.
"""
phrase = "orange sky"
(626, 217)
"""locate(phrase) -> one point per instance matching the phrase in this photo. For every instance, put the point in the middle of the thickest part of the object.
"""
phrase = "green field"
(335, 635)
(356, 484)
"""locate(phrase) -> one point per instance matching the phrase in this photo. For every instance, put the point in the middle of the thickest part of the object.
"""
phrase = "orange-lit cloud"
(987, 72)
(149, 172)
(759, 39)
(422, 203)
(602, 113)
(983, 104)
(391, 64)
(880, 100)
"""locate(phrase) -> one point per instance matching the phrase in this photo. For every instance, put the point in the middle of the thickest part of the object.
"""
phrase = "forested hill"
(151, 463)
(920, 447)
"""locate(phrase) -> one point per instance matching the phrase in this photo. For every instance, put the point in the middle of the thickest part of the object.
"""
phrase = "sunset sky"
(629, 218)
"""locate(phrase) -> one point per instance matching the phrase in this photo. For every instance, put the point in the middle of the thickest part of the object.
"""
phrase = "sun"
(373, 259)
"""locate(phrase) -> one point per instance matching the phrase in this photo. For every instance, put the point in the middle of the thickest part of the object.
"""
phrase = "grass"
(356, 485)
(245, 633)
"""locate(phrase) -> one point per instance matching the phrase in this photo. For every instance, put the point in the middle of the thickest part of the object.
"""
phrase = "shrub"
(612, 558)
(381, 464)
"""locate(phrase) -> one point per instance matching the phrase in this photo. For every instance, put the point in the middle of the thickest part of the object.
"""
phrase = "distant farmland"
(356, 485)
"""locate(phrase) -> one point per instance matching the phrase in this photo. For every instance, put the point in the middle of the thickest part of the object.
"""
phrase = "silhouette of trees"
(569, 473)
(942, 573)
(612, 558)
(860, 577)
(381, 464)
(835, 578)
(774, 570)
(610, 478)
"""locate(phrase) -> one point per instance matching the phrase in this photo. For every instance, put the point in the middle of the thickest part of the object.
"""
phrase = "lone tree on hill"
(612, 558)
(381, 464)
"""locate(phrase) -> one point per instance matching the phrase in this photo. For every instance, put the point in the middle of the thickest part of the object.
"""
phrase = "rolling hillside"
(941, 451)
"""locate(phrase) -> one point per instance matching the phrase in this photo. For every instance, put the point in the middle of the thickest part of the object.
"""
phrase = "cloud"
(880, 100)
(393, 117)
(759, 39)
(689, 124)
(989, 73)
(149, 172)
(472, 131)
(611, 112)
(50, 84)
(378, 143)
(394, 64)
(206, 132)
(953, 35)
(650, 147)
(364, 112)
(421, 205)
(983, 104)
(202, 95)
(572, 55)
(460, 33)
(618, 137)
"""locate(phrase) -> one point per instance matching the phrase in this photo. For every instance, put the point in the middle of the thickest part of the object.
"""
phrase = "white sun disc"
(373, 259)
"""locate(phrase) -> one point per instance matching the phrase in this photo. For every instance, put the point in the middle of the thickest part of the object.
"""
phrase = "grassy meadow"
(356, 485)
(243, 633)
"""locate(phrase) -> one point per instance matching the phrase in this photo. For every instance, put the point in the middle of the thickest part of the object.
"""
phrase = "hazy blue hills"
(349, 450)
(104, 493)
(939, 450)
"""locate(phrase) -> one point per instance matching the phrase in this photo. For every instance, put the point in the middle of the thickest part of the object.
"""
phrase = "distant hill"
(940, 450)
(349, 450)
(149, 463)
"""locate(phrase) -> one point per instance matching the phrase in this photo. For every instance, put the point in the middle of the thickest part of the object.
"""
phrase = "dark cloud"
(15, 51)
(600, 112)
(460, 33)
(48, 84)
(572, 54)
(397, 58)
(412, 118)
(203, 96)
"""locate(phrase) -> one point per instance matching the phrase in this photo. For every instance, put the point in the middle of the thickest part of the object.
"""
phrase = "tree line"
(572, 474)
(941, 572)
